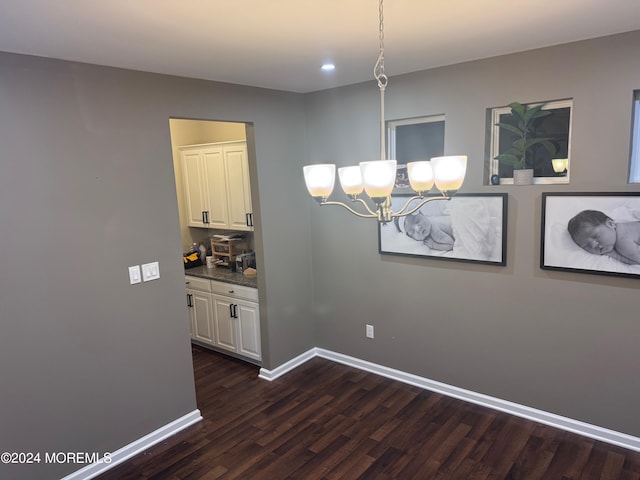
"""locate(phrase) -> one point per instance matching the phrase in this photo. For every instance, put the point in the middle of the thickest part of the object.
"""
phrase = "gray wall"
(89, 363)
(561, 342)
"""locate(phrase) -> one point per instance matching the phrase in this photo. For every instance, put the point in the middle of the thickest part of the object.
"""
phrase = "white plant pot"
(523, 177)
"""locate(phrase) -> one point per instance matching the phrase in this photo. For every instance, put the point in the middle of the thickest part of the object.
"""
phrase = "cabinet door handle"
(206, 216)
(231, 310)
(246, 219)
(251, 219)
(235, 311)
(189, 300)
(204, 220)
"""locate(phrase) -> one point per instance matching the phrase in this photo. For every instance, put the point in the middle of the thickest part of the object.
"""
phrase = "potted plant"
(520, 155)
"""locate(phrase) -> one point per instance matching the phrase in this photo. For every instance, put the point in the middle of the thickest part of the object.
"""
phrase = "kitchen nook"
(217, 224)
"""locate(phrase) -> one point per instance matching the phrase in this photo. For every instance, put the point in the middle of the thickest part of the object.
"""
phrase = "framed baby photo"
(597, 233)
(466, 228)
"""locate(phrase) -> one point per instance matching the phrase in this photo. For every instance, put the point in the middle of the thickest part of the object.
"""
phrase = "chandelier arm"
(363, 215)
(402, 213)
(406, 205)
(366, 206)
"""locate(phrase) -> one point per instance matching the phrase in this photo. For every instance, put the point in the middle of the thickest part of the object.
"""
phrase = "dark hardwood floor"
(329, 421)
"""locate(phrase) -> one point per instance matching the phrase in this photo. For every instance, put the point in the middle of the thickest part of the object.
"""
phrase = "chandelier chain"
(378, 71)
(381, 77)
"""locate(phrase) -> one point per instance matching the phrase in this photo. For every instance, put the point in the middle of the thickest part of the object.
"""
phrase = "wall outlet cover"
(369, 331)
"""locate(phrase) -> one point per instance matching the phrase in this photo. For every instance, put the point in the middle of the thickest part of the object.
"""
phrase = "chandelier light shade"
(377, 177)
(320, 180)
(449, 172)
(351, 180)
(420, 176)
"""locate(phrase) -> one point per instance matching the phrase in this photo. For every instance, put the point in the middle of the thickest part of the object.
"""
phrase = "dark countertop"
(222, 275)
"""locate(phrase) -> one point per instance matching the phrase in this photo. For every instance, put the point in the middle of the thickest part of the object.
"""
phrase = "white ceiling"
(281, 44)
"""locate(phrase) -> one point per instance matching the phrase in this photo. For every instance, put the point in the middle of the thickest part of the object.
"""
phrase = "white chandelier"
(377, 178)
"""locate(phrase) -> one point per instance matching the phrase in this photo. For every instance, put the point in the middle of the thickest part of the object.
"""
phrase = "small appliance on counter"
(245, 260)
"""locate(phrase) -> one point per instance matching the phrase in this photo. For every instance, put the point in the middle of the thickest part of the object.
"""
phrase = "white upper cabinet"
(195, 195)
(238, 187)
(217, 188)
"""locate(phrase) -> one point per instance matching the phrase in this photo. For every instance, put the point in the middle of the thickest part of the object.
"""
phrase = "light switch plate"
(150, 271)
(134, 274)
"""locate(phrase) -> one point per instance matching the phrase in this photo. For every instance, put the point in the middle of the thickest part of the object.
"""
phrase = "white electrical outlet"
(150, 271)
(369, 331)
(134, 274)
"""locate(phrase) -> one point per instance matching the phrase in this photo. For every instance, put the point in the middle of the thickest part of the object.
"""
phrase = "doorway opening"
(211, 165)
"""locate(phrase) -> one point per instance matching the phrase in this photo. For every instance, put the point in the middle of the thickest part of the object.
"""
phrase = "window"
(634, 170)
(555, 126)
(414, 139)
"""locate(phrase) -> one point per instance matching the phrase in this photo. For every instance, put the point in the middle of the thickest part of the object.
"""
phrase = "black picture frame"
(477, 222)
(558, 250)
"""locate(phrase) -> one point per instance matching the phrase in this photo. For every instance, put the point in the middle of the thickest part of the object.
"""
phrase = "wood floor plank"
(535, 458)
(613, 465)
(570, 458)
(317, 466)
(507, 446)
(332, 430)
(455, 459)
(327, 421)
(436, 454)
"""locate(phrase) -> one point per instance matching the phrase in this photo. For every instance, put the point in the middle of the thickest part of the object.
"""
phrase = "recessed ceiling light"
(328, 67)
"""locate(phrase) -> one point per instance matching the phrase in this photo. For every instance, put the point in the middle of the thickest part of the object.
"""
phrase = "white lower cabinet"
(200, 309)
(237, 326)
(232, 318)
(237, 323)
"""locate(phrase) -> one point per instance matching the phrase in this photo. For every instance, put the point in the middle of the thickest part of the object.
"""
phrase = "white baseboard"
(136, 447)
(271, 375)
(564, 423)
